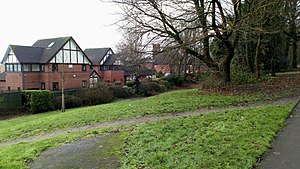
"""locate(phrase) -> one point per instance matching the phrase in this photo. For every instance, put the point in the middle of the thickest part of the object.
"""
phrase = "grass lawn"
(175, 101)
(231, 139)
(228, 139)
(18, 156)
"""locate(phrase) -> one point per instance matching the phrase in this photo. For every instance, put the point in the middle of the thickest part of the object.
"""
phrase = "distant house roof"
(96, 54)
(27, 54)
(167, 57)
(49, 52)
(144, 72)
(42, 51)
(110, 60)
(2, 76)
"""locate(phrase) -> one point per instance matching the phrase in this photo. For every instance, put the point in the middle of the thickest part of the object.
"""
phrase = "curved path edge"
(148, 119)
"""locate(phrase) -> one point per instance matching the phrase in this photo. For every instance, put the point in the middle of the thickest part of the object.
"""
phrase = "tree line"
(253, 35)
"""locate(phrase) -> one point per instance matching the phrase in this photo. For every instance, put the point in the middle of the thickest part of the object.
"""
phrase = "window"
(35, 67)
(104, 67)
(54, 67)
(84, 84)
(93, 82)
(8, 88)
(55, 86)
(115, 68)
(43, 85)
(84, 68)
(42, 68)
(51, 44)
(27, 67)
(30, 68)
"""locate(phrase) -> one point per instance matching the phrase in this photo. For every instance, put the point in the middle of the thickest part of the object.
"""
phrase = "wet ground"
(93, 153)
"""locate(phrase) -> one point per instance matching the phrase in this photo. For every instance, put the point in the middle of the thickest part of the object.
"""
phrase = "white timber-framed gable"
(10, 57)
(108, 53)
(11, 62)
(70, 54)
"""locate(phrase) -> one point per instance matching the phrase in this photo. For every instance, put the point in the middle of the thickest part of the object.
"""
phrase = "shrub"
(174, 80)
(130, 83)
(121, 91)
(159, 74)
(149, 89)
(98, 95)
(70, 102)
(36, 101)
(211, 79)
(117, 83)
(166, 84)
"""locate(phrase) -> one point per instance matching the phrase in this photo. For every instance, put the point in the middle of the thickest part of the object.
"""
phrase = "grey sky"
(89, 22)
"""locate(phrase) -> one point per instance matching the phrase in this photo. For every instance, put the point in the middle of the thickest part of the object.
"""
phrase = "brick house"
(106, 64)
(42, 65)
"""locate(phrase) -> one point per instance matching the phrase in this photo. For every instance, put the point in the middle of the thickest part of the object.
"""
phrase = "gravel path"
(293, 99)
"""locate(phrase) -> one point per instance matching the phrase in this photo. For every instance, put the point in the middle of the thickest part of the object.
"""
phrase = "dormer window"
(51, 44)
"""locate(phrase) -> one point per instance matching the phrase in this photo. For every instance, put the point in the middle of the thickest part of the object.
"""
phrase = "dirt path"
(293, 99)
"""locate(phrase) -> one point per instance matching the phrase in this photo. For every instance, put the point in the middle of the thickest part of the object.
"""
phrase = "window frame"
(55, 84)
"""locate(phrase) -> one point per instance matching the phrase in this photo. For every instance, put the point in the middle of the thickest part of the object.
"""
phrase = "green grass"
(176, 101)
(20, 155)
(222, 140)
(232, 139)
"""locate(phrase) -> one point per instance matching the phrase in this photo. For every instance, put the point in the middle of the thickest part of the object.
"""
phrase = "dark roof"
(27, 54)
(58, 43)
(2, 76)
(39, 52)
(110, 60)
(164, 58)
(143, 72)
(96, 54)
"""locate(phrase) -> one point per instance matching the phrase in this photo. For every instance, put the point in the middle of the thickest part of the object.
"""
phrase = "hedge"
(36, 101)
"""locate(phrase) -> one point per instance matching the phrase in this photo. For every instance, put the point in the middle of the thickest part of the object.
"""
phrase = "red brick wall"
(73, 76)
(32, 80)
(163, 68)
(13, 80)
(113, 76)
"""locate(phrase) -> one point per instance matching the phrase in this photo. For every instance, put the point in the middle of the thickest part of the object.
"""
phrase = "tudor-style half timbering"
(11, 62)
(70, 54)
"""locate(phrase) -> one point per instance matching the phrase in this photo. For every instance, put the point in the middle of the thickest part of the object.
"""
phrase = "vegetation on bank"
(220, 140)
(170, 102)
(226, 139)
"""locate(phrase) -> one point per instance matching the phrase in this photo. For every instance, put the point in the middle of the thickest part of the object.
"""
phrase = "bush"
(130, 83)
(174, 80)
(149, 89)
(166, 84)
(36, 101)
(98, 95)
(211, 79)
(121, 91)
(159, 74)
(70, 102)
(117, 83)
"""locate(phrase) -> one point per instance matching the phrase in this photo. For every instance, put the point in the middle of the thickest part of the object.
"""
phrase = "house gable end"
(9, 56)
(70, 53)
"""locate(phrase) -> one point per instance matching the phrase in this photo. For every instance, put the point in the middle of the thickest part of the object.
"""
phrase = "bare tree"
(292, 14)
(167, 22)
(133, 53)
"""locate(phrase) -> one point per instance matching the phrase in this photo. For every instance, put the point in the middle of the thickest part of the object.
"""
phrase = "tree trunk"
(295, 57)
(257, 57)
(227, 60)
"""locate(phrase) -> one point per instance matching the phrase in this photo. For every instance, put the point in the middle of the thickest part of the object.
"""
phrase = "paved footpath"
(285, 152)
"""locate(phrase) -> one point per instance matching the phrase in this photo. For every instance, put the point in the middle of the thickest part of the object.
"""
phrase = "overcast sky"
(89, 22)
